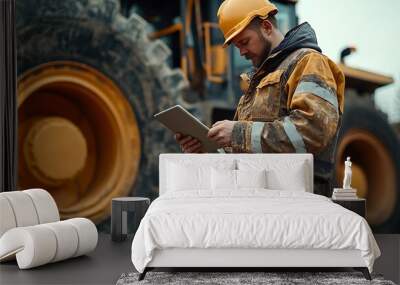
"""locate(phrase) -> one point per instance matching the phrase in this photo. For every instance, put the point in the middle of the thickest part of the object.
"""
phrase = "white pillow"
(251, 178)
(281, 175)
(193, 175)
(294, 179)
(226, 179)
(181, 178)
(223, 179)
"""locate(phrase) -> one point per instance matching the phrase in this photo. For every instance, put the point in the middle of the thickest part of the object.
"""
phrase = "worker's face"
(253, 44)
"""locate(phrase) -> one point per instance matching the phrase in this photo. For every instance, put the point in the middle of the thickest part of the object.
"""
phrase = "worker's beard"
(266, 51)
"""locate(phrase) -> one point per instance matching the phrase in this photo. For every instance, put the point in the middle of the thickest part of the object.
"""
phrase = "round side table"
(119, 215)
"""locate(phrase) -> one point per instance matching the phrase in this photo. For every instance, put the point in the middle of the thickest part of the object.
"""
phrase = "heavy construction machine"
(91, 73)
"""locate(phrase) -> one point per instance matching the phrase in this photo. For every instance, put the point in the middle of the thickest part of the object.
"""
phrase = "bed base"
(363, 270)
(243, 259)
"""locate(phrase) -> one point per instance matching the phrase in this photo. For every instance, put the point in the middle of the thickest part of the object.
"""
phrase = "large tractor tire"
(89, 81)
(371, 142)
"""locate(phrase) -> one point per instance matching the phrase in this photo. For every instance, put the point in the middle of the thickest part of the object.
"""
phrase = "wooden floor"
(111, 259)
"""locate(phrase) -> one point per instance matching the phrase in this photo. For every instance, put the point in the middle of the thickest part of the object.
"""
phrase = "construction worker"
(295, 95)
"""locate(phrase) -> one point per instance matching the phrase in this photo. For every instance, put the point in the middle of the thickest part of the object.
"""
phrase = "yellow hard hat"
(235, 15)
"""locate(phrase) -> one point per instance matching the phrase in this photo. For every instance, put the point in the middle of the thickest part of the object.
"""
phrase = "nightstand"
(119, 215)
(357, 205)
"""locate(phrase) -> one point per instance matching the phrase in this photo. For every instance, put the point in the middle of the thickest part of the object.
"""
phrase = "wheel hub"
(55, 150)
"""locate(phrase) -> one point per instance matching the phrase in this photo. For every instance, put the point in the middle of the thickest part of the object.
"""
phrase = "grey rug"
(230, 278)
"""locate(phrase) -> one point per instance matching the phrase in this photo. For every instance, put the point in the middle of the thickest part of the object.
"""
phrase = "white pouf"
(40, 244)
(23, 209)
(7, 219)
(33, 246)
(87, 234)
(66, 237)
(46, 207)
(31, 231)
(26, 208)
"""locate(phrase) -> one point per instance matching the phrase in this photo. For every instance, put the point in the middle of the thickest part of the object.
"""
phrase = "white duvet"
(253, 218)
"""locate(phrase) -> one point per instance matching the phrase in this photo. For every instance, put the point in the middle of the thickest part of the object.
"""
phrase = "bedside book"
(344, 197)
(341, 190)
(344, 194)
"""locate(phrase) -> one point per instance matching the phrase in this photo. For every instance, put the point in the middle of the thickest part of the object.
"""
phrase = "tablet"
(179, 120)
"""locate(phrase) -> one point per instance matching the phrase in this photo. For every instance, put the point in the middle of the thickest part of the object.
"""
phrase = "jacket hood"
(301, 36)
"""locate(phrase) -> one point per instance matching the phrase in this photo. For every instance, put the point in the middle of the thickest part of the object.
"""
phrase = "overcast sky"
(373, 27)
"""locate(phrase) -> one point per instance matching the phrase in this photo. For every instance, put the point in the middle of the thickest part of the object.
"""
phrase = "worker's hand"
(188, 144)
(221, 132)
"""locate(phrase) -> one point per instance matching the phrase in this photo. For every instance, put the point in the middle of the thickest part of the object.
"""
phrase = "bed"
(247, 210)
